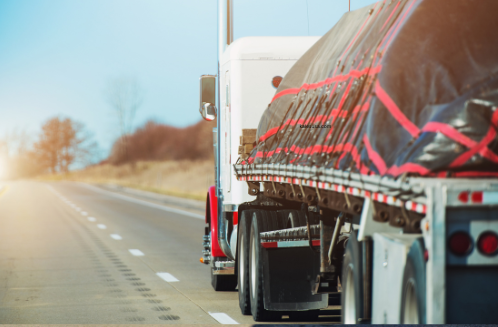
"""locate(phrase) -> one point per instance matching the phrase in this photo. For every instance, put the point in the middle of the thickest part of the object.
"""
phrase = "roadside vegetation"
(181, 178)
(157, 158)
(153, 157)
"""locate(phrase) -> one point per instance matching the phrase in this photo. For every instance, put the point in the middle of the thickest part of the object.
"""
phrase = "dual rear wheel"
(251, 280)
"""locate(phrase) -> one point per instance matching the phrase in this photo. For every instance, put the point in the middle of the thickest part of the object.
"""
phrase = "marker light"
(276, 81)
(487, 243)
(460, 243)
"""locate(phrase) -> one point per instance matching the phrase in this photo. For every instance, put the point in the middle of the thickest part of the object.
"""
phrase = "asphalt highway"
(78, 254)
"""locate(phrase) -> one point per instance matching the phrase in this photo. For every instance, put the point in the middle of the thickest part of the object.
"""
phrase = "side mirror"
(207, 99)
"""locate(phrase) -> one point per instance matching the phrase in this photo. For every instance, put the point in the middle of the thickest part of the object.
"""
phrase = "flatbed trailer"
(451, 288)
(371, 179)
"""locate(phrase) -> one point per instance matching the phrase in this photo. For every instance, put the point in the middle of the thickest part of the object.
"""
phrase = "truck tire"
(243, 261)
(290, 218)
(352, 282)
(223, 283)
(256, 289)
(413, 296)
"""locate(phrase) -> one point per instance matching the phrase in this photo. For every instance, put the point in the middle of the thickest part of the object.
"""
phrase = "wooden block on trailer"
(249, 132)
(248, 148)
(247, 140)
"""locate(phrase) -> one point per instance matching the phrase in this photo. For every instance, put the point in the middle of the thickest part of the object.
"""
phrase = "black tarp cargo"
(397, 87)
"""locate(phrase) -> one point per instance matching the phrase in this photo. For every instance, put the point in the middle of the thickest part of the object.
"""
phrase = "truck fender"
(212, 220)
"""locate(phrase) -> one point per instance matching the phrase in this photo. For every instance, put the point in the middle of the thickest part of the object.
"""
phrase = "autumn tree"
(62, 142)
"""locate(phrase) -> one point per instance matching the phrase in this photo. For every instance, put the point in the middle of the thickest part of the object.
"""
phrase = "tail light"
(460, 243)
(463, 197)
(487, 243)
(477, 197)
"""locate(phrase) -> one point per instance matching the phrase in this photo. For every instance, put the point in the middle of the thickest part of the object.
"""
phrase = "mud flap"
(289, 275)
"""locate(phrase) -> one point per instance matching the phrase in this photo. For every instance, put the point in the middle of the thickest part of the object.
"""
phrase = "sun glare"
(3, 168)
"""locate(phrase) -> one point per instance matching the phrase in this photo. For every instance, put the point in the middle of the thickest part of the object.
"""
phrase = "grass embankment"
(187, 179)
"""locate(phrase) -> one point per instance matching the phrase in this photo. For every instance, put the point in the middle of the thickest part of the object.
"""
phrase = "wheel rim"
(410, 310)
(241, 263)
(253, 269)
(349, 299)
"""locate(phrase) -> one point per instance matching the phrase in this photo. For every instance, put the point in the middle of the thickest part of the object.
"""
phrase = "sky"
(58, 56)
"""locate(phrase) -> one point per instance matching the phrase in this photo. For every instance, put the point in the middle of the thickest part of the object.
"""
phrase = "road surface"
(77, 254)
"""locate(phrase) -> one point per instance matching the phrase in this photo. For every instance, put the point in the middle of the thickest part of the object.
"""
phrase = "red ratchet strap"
(395, 111)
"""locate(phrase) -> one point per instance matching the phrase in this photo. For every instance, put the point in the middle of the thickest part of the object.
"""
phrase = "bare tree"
(63, 142)
(125, 96)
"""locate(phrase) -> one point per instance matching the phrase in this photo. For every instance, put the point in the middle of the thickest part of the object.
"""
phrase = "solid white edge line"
(136, 252)
(167, 277)
(116, 237)
(146, 203)
(223, 318)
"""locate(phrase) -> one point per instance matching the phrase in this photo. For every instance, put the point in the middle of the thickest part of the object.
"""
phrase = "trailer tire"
(223, 283)
(352, 282)
(288, 218)
(257, 288)
(243, 261)
(413, 295)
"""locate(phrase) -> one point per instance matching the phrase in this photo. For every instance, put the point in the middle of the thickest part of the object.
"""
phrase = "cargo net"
(396, 88)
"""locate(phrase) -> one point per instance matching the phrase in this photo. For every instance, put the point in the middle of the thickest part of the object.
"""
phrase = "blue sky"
(56, 56)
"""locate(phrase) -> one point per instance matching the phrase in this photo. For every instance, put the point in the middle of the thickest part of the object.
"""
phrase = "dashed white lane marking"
(101, 226)
(91, 219)
(84, 213)
(78, 209)
(223, 318)
(116, 237)
(167, 277)
(146, 203)
(136, 252)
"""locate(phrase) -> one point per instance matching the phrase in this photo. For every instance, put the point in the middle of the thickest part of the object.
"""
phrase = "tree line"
(61, 143)
(155, 141)
(64, 143)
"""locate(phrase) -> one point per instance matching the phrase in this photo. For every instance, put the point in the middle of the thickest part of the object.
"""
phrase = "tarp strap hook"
(318, 192)
(301, 185)
(347, 198)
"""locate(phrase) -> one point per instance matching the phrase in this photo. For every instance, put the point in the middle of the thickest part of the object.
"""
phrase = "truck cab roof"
(268, 48)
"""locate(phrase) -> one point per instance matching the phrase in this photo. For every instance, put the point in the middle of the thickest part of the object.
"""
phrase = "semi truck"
(359, 168)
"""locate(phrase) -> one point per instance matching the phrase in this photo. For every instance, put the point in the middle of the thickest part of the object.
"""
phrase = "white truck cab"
(247, 68)
(246, 71)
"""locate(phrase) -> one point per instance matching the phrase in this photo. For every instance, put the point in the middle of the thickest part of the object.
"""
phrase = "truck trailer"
(359, 168)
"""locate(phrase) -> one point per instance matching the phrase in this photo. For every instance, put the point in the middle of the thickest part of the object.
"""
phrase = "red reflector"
(463, 197)
(276, 81)
(460, 243)
(269, 245)
(476, 197)
(426, 255)
(488, 243)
